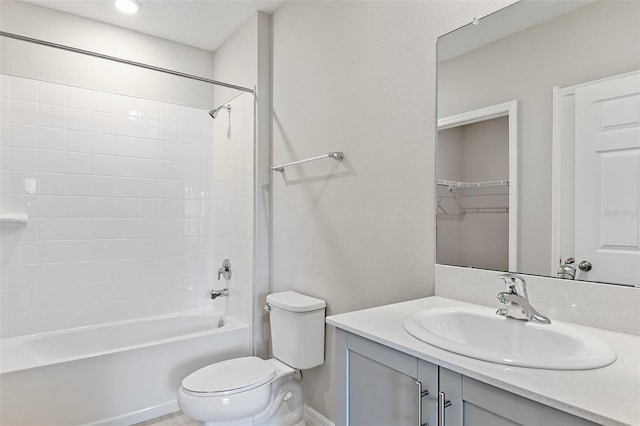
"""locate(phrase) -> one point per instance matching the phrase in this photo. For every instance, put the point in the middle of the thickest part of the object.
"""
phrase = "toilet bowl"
(252, 391)
(233, 390)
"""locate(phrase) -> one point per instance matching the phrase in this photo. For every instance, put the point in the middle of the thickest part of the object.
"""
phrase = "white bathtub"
(111, 374)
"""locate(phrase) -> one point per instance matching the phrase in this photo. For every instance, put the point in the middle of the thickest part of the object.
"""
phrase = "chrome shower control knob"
(585, 265)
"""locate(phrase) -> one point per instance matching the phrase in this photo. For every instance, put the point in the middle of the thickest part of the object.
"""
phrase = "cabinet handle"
(421, 394)
(442, 404)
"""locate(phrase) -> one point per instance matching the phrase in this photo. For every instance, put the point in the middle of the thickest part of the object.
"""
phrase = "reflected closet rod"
(123, 61)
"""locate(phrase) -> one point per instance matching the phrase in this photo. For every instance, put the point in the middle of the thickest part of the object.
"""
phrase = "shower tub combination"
(111, 374)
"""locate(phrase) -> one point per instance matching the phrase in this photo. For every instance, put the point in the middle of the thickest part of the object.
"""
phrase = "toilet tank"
(297, 329)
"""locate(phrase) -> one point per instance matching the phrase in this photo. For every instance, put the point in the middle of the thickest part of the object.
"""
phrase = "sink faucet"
(516, 301)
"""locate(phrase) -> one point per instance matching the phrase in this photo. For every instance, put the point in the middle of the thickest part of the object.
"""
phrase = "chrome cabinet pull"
(442, 404)
(421, 394)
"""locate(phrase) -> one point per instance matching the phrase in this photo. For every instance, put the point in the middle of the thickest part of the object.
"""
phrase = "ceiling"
(205, 24)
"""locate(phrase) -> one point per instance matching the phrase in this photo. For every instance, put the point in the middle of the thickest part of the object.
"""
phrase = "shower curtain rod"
(123, 61)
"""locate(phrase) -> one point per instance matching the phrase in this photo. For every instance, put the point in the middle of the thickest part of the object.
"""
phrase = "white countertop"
(608, 395)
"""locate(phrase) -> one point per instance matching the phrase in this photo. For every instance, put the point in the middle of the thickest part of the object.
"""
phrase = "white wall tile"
(21, 112)
(78, 119)
(78, 185)
(126, 146)
(148, 109)
(22, 159)
(53, 94)
(25, 253)
(52, 183)
(52, 229)
(24, 89)
(5, 84)
(127, 207)
(52, 116)
(169, 112)
(120, 207)
(79, 98)
(79, 141)
(52, 161)
(51, 206)
(79, 163)
(22, 136)
(5, 184)
(126, 187)
(103, 143)
(21, 276)
(4, 110)
(105, 123)
(52, 273)
(23, 183)
(52, 139)
(79, 229)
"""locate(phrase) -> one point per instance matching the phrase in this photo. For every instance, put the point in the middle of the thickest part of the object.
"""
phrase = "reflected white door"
(607, 179)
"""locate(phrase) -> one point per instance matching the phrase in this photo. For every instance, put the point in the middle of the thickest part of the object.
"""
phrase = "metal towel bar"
(335, 155)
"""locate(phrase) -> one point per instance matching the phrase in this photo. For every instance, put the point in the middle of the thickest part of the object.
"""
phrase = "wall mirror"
(538, 163)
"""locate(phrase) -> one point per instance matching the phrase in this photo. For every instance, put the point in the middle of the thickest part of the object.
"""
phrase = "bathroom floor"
(173, 419)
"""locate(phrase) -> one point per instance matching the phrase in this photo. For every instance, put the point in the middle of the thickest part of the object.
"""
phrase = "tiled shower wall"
(232, 204)
(118, 194)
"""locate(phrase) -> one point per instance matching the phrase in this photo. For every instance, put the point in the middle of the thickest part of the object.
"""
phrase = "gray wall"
(597, 41)
(357, 77)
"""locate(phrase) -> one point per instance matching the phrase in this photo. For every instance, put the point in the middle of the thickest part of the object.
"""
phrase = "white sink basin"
(481, 333)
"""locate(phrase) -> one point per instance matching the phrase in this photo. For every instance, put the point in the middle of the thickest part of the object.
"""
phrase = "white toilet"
(251, 391)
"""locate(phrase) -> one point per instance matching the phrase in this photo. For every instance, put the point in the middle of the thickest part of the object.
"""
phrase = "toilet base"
(286, 404)
(285, 408)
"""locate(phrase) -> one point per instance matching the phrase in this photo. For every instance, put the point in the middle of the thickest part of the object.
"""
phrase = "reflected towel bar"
(335, 155)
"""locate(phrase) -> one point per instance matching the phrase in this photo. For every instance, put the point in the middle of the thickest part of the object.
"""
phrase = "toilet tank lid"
(295, 302)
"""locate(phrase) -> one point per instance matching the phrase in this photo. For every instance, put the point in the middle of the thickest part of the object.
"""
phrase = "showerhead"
(214, 112)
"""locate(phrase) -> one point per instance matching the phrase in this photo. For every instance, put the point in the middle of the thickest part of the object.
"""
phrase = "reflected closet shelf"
(456, 198)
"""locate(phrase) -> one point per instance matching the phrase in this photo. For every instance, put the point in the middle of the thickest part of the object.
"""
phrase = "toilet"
(251, 391)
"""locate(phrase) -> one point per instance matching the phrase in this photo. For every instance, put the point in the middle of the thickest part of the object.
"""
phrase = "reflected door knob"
(585, 265)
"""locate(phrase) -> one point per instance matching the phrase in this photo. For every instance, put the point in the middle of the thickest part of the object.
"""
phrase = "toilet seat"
(229, 377)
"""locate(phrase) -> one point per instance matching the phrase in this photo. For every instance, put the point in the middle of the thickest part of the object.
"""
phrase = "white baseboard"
(312, 418)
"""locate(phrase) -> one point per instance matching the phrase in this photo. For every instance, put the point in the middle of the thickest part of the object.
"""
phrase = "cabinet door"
(428, 376)
(380, 395)
(450, 397)
(485, 405)
(376, 385)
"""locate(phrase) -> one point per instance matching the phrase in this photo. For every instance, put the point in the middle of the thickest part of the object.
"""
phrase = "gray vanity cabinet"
(380, 386)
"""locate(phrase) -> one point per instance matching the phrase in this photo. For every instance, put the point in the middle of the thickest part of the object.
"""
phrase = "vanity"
(385, 376)
(525, 183)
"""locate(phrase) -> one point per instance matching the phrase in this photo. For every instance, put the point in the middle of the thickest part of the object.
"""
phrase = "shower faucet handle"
(225, 269)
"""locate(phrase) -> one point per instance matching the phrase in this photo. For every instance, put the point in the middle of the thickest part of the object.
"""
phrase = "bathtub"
(111, 374)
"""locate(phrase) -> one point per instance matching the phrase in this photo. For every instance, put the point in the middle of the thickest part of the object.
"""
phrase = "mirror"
(539, 141)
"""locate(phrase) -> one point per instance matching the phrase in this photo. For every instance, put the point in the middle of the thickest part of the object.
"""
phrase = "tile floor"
(173, 419)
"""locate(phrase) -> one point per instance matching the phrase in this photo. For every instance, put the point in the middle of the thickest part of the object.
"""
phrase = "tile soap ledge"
(13, 219)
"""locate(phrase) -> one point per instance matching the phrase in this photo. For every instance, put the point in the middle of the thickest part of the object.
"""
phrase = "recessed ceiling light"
(128, 6)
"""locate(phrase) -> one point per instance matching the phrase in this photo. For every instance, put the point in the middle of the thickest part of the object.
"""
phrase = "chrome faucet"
(567, 271)
(516, 301)
(217, 293)
(225, 270)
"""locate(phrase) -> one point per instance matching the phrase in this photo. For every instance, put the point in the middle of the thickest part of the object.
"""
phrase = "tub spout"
(217, 293)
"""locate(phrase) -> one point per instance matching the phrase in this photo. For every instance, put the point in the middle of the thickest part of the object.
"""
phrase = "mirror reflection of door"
(473, 194)
(600, 120)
